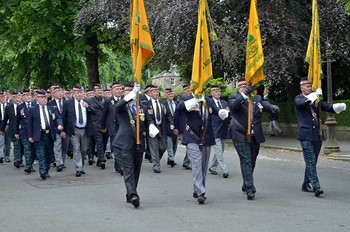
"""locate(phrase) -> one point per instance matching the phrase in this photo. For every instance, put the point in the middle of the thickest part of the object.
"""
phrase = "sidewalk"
(292, 144)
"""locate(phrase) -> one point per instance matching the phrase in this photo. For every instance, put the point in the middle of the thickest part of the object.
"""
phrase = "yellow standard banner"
(254, 69)
(202, 66)
(313, 54)
(140, 38)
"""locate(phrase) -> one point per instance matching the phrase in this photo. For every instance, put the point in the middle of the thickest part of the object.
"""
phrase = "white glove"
(312, 97)
(152, 130)
(132, 94)
(275, 108)
(223, 114)
(318, 92)
(137, 88)
(190, 103)
(339, 107)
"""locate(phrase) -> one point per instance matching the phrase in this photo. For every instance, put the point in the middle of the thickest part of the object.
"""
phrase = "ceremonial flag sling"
(254, 71)
(202, 66)
(313, 56)
(141, 48)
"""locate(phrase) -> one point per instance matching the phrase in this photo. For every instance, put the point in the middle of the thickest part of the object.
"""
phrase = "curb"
(281, 148)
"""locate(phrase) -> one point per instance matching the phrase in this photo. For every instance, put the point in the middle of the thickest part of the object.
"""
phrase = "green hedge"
(287, 114)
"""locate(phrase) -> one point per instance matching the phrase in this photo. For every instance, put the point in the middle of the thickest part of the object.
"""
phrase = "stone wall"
(341, 133)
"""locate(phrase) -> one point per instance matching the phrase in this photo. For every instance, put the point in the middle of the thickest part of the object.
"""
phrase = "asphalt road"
(96, 201)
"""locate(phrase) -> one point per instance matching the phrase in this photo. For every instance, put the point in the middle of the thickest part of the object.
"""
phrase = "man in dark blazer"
(76, 115)
(163, 120)
(8, 127)
(22, 130)
(43, 123)
(309, 131)
(198, 138)
(172, 139)
(109, 123)
(125, 140)
(220, 128)
(94, 125)
(60, 146)
(248, 150)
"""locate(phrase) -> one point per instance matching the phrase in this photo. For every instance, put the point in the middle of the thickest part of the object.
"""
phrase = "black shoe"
(195, 195)
(59, 168)
(82, 172)
(244, 189)
(70, 154)
(250, 196)
(156, 171)
(318, 192)
(307, 189)
(135, 201)
(103, 165)
(78, 174)
(91, 161)
(28, 170)
(186, 167)
(201, 199)
(16, 164)
(7, 160)
(171, 163)
(108, 155)
(225, 175)
(212, 172)
(43, 175)
(121, 172)
(54, 164)
(272, 135)
(1, 160)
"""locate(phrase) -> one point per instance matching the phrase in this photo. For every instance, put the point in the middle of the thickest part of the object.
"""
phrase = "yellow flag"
(202, 67)
(254, 67)
(313, 54)
(140, 38)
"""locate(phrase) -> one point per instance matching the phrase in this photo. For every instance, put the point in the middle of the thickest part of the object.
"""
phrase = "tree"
(37, 43)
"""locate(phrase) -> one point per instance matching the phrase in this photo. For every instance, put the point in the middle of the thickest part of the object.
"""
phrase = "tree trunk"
(92, 61)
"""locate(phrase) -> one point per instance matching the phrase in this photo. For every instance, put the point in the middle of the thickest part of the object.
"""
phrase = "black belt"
(80, 127)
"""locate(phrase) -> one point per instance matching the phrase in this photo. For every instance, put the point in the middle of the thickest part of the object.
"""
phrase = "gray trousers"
(218, 158)
(60, 148)
(199, 160)
(157, 146)
(273, 127)
(80, 145)
(172, 142)
(2, 145)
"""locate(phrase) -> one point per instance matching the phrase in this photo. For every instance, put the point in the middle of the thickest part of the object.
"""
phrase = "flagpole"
(137, 120)
(249, 121)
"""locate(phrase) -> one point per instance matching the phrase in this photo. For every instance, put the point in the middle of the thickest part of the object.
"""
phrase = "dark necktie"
(80, 113)
(158, 111)
(219, 105)
(133, 109)
(171, 108)
(1, 116)
(47, 125)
